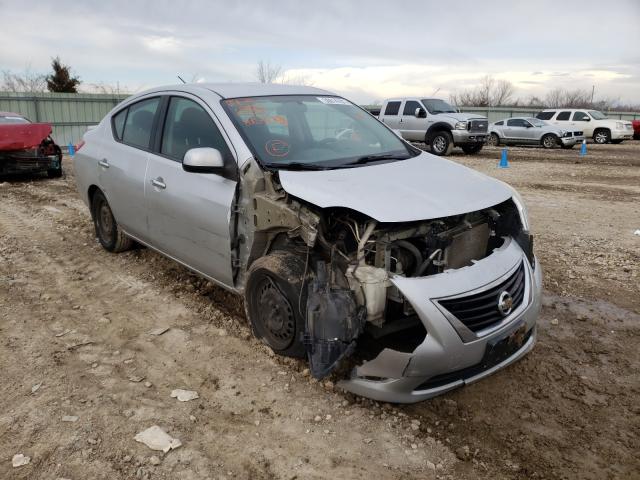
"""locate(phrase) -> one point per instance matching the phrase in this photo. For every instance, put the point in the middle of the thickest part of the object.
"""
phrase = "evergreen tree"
(61, 80)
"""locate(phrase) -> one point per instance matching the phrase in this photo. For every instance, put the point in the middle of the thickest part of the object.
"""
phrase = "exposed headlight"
(522, 209)
(564, 133)
(461, 125)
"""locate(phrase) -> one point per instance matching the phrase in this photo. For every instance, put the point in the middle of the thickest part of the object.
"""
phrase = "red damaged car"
(636, 129)
(27, 147)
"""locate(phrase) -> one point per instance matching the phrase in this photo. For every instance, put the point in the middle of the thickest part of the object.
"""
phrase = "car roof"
(238, 90)
(12, 114)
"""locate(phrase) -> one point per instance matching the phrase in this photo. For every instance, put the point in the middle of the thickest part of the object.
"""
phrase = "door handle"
(104, 163)
(159, 182)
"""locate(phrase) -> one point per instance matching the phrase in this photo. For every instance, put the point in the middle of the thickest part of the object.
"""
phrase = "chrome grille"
(480, 310)
(479, 126)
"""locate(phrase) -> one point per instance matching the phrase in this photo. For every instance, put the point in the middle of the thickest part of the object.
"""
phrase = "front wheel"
(493, 140)
(602, 136)
(275, 299)
(549, 141)
(471, 149)
(109, 233)
(441, 143)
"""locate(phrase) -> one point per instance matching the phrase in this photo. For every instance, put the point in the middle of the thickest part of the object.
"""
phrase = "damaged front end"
(352, 291)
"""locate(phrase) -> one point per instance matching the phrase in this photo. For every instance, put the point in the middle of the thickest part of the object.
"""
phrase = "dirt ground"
(75, 325)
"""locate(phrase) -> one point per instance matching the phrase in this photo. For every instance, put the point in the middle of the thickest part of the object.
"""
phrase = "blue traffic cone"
(583, 148)
(504, 163)
(72, 150)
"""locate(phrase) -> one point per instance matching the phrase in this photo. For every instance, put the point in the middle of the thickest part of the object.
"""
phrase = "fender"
(437, 127)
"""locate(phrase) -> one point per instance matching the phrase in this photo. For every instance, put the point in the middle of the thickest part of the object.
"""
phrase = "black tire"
(471, 149)
(493, 140)
(275, 301)
(441, 143)
(54, 173)
(109, 233)
(549, 140)
(616, 142)
(602, 136)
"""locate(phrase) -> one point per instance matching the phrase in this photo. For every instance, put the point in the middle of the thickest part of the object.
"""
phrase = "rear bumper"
(450, 357)
(13, 165)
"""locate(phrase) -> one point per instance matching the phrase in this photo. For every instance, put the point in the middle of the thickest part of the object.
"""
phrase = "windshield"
(13, 119)
(309, 132)
(536, 122)
(435, 106)
(597, 115)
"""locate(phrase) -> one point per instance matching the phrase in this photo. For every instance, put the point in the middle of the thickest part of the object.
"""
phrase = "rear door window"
(139, 122)
(563, 116)
(392, 108)
(188, 126)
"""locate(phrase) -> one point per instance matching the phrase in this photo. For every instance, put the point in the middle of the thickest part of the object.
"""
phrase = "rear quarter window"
(545, 115)
(501, 122)
(118, 123)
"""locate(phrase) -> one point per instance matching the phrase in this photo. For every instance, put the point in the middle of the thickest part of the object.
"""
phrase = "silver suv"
(336, 232)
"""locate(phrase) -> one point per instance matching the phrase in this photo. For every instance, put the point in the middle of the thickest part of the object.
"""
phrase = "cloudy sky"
(365, 50)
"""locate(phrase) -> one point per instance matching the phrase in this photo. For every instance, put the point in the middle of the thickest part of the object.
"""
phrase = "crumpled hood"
(419, 188)
(462, 117)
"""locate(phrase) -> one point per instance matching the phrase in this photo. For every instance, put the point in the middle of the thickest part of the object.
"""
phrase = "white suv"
(593, 123)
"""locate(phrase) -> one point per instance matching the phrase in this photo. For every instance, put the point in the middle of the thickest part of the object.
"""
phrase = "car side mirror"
(203, 160)
(587, 119)
(528, 125)
(420, 113)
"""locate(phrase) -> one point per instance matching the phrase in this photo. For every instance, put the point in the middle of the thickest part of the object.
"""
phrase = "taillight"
(79, 145)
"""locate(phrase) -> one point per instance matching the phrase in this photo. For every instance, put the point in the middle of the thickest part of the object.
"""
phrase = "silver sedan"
(531, 131)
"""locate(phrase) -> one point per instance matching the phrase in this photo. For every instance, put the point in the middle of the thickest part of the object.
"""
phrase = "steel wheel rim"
(105, 221)
(601, 137)
(493, 140)
(548, 142)
(275, 315)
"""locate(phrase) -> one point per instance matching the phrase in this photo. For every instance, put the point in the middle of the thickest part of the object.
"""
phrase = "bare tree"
(26, 81)
(502, 93)
(266, 72)
(301, 79)
(489, 93)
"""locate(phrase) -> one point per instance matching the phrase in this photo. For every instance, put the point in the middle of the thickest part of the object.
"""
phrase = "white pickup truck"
(435, 122)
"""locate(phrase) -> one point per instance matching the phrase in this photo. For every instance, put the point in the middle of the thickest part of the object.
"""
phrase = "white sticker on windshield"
(333, 100)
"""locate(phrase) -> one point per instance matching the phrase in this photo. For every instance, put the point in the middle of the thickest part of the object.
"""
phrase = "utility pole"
(593, 89)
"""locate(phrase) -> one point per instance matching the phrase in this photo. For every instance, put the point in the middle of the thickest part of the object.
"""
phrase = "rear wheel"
(275, 299)
(471, 149)
(549, 141)
(109, 233)
(602, 136)
(493, 140)
(441, 143)
(55, 172)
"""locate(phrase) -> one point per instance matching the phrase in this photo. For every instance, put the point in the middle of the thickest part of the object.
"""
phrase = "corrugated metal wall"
(69, 113)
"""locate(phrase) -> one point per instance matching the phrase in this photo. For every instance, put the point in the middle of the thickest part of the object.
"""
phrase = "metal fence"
(71, 113)
(68, 113)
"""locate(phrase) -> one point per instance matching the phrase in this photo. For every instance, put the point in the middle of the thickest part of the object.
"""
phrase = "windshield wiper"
(375, 158)
(296, 166)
